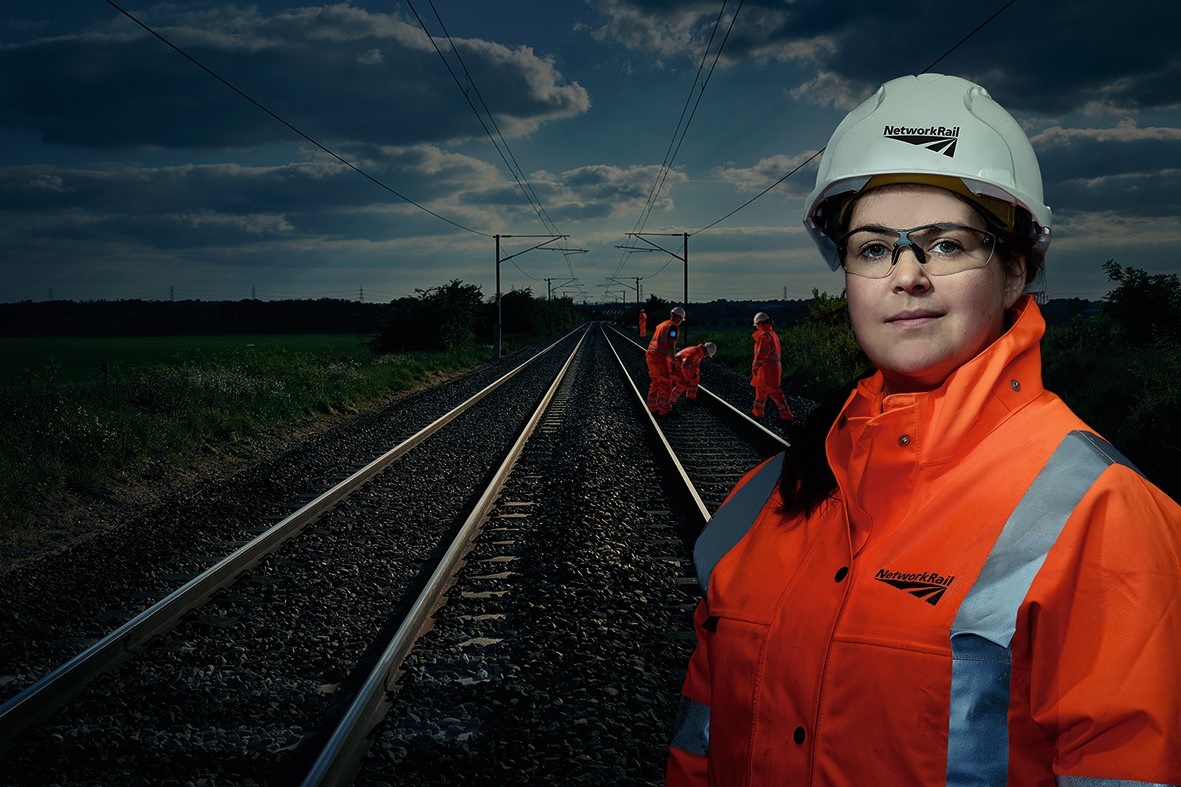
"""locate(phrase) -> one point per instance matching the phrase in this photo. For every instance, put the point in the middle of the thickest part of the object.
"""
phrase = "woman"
(952, 579)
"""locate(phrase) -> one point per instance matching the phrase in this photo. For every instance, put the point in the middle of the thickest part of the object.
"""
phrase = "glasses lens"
(941, 248)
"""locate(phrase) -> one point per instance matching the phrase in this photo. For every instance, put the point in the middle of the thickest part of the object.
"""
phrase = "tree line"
(1118, 367)
(448, 317)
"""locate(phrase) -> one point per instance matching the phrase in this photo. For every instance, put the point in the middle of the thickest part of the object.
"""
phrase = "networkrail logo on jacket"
(939, 139)
(926, 585)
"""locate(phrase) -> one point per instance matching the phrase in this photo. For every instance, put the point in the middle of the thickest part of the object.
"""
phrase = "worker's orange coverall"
(643, 324)
(766, 372)
(992, 598)
(660, 355)
(687, 366)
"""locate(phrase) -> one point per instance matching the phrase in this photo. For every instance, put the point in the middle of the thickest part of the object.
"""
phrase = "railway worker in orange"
(688, 370)
(660, 358)
(643, 323)
(949, 578)
(766, 370)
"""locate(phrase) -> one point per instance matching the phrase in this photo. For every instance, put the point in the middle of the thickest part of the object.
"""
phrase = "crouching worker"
(688, 368)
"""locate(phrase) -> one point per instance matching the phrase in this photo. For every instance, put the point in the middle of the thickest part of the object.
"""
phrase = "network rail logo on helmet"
(939, 139)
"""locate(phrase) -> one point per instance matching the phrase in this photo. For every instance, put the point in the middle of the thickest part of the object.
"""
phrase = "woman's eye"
(875, 250)
(945, 246)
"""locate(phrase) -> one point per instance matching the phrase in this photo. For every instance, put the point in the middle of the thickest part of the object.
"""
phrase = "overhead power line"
(679, 134)
(811, 158)
(502, 146)
(290, 126)
(682, 128)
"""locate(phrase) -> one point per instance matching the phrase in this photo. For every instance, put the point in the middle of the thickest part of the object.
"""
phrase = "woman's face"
(917, 329)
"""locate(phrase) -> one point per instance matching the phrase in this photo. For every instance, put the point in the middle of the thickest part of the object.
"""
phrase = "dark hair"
(806, 481)
(1018, 240)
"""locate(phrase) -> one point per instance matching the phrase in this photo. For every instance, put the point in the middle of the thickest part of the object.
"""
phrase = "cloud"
(830, 89)
(337, 73)
(694, 30)
(665, 28)
(1127, 130)
(767, 171)
(121, 162)
(1080, 54)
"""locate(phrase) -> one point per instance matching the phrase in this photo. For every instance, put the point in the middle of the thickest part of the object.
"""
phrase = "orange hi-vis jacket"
(766, 370)
(688, 369)
(661, 372)
(689, 361)
(664, 340)
(993, 598)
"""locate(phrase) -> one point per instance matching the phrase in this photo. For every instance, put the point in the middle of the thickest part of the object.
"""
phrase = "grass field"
(82, 416)
(71, 360)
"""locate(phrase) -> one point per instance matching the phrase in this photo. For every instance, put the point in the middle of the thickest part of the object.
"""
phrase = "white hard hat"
(932, 129)
(677, 310)
(710, 349)
(761, 317)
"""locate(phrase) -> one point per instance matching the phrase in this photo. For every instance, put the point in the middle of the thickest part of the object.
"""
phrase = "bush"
(1120, 371)
(822, 356)
(441, 319)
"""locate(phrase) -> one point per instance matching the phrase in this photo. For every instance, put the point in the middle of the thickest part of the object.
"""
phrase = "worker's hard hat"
(710, 349)
(934, 130)
(761, 317)
(677, 310)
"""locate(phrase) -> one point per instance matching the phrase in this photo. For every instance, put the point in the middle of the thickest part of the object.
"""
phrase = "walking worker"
(766, 370)
(948, 578)
(643, 323)
(688, 368)
(660, 357)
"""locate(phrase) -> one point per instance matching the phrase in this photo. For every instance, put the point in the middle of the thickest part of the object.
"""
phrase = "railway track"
(559, 655)
(588, 504)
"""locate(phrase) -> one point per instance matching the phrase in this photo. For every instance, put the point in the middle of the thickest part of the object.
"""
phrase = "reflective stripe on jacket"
(766, 370)
(991, 600)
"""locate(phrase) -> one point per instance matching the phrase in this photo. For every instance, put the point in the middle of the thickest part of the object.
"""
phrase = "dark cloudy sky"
(304, 151)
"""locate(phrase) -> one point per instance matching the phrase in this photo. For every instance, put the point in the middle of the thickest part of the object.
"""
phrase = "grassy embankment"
(85, 417)
(816, 360)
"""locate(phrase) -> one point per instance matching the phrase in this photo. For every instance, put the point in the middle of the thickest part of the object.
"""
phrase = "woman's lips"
(913, 318)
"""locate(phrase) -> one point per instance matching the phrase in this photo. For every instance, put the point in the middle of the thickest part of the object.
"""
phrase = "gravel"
(557, 661)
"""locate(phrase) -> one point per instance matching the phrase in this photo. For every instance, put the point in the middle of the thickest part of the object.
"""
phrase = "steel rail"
(679, 469)
(341, 758)
(57, 687)
(730, 410)
(727, 413)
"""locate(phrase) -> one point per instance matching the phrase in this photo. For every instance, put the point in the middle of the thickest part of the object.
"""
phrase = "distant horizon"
(487, 300)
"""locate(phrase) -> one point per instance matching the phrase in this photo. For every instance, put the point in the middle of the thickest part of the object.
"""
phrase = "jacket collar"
(978, 396)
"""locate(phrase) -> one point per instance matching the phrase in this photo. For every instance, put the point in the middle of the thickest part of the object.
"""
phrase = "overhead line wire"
(527, 189)
(281, 120)
(674, 145)
(807, 161)
(506, 154)
(979, 27)
(700, 94)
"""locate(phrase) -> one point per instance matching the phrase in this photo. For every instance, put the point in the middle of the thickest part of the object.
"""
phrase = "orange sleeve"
(1104, 623)
(685, 768)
